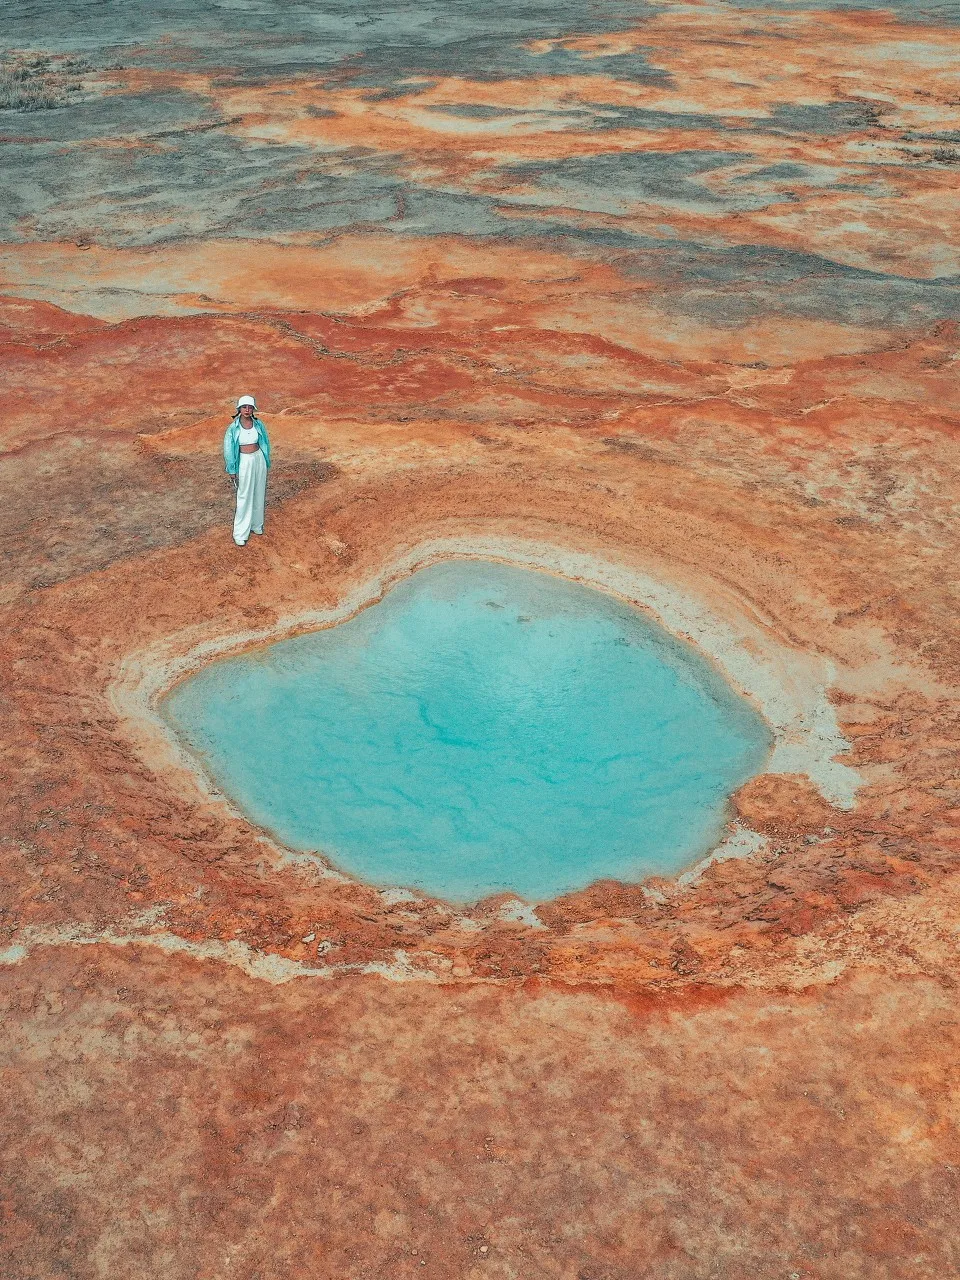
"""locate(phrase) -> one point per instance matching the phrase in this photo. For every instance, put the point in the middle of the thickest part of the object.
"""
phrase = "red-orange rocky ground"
(221, 1063)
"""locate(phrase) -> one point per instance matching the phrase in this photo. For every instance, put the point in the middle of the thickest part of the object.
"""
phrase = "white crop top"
(248, 435)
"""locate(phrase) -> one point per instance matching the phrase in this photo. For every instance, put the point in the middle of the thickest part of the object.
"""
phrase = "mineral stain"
(483, 728)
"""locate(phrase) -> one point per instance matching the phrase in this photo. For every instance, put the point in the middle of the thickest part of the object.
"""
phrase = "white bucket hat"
(246, 400)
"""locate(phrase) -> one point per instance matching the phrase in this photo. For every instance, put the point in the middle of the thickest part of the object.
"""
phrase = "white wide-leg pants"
(251, 490)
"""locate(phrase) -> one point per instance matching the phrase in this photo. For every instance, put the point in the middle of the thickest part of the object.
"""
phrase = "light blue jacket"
(231, 444)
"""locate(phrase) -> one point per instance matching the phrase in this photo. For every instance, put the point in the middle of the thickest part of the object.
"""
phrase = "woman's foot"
(239, 544)
(256, 531)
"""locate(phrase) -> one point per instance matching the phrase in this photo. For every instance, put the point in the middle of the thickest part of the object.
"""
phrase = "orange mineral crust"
(661, 298)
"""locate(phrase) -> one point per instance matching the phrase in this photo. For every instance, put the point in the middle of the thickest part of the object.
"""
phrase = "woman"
(246, 453)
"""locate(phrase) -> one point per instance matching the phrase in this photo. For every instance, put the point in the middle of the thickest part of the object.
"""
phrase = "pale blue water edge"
(483, 728)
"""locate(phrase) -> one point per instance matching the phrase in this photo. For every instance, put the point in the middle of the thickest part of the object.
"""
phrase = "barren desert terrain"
(663, 297)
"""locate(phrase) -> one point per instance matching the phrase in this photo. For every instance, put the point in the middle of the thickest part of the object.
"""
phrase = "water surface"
(483, 728)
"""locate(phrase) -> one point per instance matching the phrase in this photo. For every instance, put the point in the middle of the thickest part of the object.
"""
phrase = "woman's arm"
(231, 449)
(264, 442)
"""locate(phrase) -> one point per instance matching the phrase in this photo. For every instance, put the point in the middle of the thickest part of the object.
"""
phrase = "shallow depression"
(481, 729)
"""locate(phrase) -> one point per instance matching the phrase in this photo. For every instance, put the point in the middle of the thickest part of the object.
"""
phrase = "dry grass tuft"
(38, 82)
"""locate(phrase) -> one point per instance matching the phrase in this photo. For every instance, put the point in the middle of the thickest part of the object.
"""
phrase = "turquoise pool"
(482, 728)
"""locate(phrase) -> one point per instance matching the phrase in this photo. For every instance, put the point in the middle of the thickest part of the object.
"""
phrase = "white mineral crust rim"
(787, 685)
